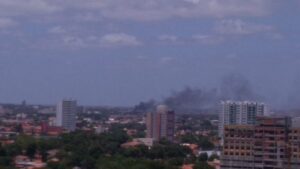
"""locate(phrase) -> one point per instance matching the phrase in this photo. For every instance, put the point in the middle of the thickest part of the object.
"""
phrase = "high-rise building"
(235, 113)
(161, 124)
(272, 143)
(296, 122)
(66, 114)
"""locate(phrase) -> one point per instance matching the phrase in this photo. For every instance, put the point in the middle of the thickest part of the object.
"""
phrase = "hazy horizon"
(118, 53)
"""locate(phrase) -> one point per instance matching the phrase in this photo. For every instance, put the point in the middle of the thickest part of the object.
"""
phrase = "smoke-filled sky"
(120, 52)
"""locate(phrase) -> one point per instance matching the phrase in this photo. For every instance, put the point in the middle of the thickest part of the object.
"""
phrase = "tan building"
(270, 144)
(161, 124)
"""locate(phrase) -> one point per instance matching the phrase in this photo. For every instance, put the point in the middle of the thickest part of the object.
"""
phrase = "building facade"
(66, 114)
(161, 124)
(237, 113)
(269, 144)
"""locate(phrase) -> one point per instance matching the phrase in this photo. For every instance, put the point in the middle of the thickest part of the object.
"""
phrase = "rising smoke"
(237, 87)
(293, 100)
(192, 100)
(200, 100)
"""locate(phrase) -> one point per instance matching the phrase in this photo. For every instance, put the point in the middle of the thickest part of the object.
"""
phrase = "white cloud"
(57, 30)
(208, 39)
(142, 57)
(119, 39)
(166, 59)
(24, 8)
(205, 39)
(158, 9)
(239, 27)
(275, 35)
(93, 41)
(141, 10)
(6, 22)
(168, 38)
(73, 41)
(193, 1)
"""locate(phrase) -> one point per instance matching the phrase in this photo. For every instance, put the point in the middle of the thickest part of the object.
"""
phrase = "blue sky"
(117, 52)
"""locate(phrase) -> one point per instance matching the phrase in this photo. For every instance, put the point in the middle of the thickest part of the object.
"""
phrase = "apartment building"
(161, 124)
(239, 113)
(66, 114)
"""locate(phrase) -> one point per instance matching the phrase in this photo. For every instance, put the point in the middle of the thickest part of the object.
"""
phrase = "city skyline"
(152, 84)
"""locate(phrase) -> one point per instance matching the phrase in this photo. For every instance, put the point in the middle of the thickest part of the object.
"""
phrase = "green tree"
(202, 165)
(213, 156)
(31, 150)
(203, 157)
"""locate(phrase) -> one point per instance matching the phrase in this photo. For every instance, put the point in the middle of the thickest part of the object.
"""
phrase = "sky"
(121, 52)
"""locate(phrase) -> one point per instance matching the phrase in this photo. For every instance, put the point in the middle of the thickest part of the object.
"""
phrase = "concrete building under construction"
(272, 143)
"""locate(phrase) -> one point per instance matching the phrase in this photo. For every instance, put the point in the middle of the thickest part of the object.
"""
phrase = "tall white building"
(66, 114)
(239, 113)
(296, 122)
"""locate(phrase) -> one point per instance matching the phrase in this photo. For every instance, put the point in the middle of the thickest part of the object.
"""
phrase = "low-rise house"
(23, 162)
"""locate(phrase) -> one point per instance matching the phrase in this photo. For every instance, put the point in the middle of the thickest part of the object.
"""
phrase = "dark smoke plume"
(197, 100)
(237, 87)
(293, 100)
(192, 100)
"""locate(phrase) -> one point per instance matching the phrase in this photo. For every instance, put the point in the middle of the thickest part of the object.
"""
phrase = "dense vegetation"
(91, 151)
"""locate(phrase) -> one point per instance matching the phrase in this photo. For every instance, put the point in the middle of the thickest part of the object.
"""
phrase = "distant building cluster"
(246, 139)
